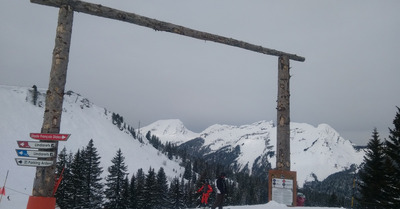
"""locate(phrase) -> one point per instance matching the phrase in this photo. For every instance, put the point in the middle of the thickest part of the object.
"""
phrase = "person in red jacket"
(301, 198)
(205, 189)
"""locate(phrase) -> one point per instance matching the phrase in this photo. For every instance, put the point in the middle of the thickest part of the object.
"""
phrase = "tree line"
(379, 176)
(81, 184)
(374, 184)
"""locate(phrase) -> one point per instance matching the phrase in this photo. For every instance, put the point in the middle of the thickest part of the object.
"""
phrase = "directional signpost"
(34, 153)
(50, 137)
(39, 154)
(36, 145)
(33, 162)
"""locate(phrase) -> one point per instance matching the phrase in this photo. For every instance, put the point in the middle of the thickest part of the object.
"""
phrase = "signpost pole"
(285, 194)
(44, 182)
(283, 116)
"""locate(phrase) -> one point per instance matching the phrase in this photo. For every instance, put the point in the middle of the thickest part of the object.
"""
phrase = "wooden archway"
(44, 180)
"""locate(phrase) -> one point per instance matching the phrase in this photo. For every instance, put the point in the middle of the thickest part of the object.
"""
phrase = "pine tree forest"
(81, 181)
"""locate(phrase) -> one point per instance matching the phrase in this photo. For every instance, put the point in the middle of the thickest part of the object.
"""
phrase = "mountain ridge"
(315, 151)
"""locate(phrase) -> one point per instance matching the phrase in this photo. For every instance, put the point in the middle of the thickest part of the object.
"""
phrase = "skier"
(301, 198)
(221, 191)
(205, 189)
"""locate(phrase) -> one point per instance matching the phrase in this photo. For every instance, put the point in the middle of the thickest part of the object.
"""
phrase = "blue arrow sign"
(22, 153)
(34, 153)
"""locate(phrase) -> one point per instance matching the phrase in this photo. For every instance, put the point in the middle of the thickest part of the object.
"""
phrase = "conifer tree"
(78, 180)
(176, 194)
(150, 188)
(162, 189)
(333, 200)
(392, 192)
(189, 193)
(65, 188)
(92, 172)
(148, 135)
(133, 193)
(188, 170)
(372, 174)
(132, 131)
(125, 193)
(115, 181)
(35, 94)
(140, 179)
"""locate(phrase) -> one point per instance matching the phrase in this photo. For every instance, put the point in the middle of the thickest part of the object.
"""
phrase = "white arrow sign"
(36, 145)
(52, 137)
(33, 162)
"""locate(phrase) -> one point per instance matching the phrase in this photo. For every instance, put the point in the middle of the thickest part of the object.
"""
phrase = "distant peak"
(169, 127)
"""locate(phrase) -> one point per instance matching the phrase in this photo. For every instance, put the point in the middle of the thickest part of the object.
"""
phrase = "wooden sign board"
(50, 137)
(33, 162)
(36, 145)
(34, 153)
(282, 187)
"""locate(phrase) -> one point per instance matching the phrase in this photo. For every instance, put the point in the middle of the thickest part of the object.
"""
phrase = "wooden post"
(283, 115)
(45, 176)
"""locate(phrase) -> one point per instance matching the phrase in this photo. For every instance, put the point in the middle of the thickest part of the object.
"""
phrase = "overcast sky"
(350, 79)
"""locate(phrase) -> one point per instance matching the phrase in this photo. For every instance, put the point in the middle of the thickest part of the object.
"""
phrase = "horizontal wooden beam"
(107, 12)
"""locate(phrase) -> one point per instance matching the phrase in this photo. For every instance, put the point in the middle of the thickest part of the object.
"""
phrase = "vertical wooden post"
(283, 115)
(280, 191)
(45, 176)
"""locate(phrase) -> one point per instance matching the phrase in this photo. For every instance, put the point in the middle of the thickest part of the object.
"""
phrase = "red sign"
(50, 137)
(36, 145)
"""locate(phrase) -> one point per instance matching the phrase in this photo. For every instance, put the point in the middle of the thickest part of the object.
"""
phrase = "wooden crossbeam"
(107, 12)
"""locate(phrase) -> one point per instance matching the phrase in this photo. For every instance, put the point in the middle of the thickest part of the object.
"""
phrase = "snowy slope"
(314, 150)
(325, 152)
(80, 118)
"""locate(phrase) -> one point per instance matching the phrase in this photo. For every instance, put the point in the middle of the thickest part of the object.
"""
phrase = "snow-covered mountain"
(80, 118)
(315, 151)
